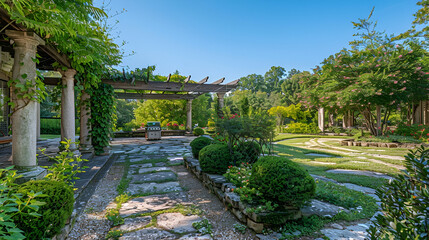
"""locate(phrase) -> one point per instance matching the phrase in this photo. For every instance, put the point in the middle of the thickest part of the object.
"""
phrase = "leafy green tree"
(274, 78)
(291, 87)
(124, 111)
(201, 110)
(252, 82)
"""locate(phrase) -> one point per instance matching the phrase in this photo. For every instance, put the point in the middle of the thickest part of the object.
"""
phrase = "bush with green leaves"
(199, 143)
(302, 128)
(13, 204)
(282, 181)
(66, 166)
(405, 202)
(215, 158)
(248, 152)
(59, 200)
(198, 131)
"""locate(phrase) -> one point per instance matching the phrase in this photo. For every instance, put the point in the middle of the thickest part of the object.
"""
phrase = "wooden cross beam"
(156, 96)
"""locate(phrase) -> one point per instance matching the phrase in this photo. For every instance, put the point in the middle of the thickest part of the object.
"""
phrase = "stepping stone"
(148, 234)
(154, 188)
(137, 150)
(177, 222)
(153, 169)
(131, 224)
(196, 236)
(137, 159)
(359, 172)
(160, 164)
(144, 165)
(155, 177)
(321, 209)
(153, 203)
(356, 232)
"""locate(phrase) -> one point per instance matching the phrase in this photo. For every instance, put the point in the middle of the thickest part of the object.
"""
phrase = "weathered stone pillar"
(85, 114)
(189, 115)
(220, 96)
(321, 119)
(23, 119)
(68, 128)
(378, 110)
(38, 121)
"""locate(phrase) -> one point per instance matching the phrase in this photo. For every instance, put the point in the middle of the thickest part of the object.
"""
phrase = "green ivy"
(102, 116)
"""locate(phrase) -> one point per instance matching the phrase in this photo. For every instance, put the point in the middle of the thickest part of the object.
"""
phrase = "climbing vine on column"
(102, 116)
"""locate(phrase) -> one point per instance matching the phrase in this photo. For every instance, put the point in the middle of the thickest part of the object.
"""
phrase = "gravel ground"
(92, 224)
(214, 210)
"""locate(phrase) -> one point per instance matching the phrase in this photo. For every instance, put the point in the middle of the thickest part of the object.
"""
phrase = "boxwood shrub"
(199, 143)
(59, 201)
(215, 158)
(198, 131)
(282, 181)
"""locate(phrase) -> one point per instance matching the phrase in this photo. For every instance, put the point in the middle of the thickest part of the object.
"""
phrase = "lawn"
(297, 148)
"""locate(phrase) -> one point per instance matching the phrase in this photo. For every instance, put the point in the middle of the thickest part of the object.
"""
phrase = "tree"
(252, 82)
(291, 87)
(124, 112)
(274, 78)
(280, 113)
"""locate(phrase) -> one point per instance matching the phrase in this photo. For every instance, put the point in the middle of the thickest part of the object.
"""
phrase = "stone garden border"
(218, 185)
(352, 142)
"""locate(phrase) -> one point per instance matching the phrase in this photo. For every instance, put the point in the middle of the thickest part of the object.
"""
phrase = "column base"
(33, 173)
(86, 149)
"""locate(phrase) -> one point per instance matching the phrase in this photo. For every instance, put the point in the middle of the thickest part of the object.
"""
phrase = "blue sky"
(236, 38)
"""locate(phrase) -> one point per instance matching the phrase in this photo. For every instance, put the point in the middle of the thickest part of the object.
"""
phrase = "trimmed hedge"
(199, 143)
(198, 131)
(282, 181)
(215, 158)
(58, 208)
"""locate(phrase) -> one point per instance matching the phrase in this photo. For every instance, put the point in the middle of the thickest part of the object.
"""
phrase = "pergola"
(174, 91)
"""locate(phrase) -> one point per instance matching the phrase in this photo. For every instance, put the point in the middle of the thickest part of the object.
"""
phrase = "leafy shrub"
(282, 181)
(389, 139)
(215, 158)
(199, 143)
(12, 204)
(198, 131)
(59, 200)
(50, 126)
(302, 128)
(173, 125)
(405, 202)
(417, 131)
(248, 151)
(66, 166)
(336, 130)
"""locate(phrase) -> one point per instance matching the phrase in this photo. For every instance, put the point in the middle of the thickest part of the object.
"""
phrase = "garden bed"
(218, 185)
(351, 142)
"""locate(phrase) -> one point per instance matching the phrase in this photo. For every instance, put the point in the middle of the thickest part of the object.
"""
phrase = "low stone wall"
(351, 142)
(218, 185)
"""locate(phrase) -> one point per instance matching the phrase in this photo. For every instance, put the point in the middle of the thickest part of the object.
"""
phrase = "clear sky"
(236, 38)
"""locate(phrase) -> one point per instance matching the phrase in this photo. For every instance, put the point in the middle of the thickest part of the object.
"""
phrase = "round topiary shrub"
(282, 181)
(215, 159)
(249, 152)
(198, 131)
(59, 201)
(199, 143)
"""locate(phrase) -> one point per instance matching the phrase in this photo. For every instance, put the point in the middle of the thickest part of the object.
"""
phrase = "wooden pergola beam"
(156, 96)
(219, 81)
(171, 86)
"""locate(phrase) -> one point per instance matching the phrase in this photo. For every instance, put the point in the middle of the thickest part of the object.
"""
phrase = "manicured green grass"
(49, 136)
(284, 136)
(318, 165)
(372, 150)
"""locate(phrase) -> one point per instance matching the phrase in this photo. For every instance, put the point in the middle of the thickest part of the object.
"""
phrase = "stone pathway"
(166, 200)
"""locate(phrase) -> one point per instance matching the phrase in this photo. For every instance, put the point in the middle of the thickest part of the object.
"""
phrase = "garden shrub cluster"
(247, 152)
(58, 207)
(416, 131)
(302, 128)
(282, 181)
(199, 143)
(198, 131)
(215, 158)
(405, 202)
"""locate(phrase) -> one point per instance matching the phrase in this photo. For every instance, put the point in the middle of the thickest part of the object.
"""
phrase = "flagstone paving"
(166, 199)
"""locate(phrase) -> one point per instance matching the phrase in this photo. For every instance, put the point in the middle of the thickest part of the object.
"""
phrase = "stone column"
(220, 96)
(85, 114)
(38, 122)
(23, 119)
(189, 115)
(321, 119)
(68, 128)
